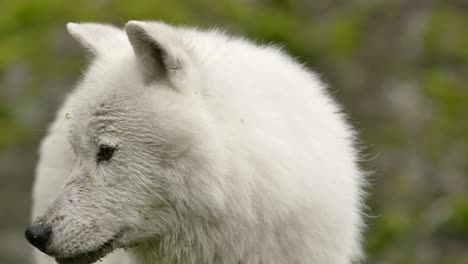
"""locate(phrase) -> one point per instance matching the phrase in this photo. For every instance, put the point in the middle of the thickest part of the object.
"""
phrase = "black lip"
(88, 257)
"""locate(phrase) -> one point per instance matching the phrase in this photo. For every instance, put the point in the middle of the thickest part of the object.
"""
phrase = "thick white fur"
(229, 152)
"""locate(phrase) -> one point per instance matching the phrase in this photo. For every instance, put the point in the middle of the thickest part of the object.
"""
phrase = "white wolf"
(189, 146)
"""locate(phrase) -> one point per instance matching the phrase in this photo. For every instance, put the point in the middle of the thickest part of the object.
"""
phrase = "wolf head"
(144, 147)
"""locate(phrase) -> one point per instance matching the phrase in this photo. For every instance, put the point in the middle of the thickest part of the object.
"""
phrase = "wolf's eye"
(105, 153)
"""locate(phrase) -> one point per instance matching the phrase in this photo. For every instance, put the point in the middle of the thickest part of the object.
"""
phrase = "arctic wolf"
(188, 146)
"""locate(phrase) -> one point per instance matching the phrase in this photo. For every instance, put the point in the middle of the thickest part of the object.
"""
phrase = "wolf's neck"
(202, 241)
(172, 249)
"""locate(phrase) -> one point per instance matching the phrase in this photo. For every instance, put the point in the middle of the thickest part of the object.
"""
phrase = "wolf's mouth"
(89, 256)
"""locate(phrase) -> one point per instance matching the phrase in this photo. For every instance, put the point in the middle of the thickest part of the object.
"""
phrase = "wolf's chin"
(88, 257)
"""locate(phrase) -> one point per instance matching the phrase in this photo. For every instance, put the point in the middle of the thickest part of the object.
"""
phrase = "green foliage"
(388, 230)
(456, 225)
(12, 134)
(447, 35)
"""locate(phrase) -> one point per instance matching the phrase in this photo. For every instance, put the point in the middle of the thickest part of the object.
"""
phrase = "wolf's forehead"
(102, 112)
(104, 117)
(112, 108)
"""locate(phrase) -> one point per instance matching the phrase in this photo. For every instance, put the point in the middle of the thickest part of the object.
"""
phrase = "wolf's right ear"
(97, 38)
(158, 50)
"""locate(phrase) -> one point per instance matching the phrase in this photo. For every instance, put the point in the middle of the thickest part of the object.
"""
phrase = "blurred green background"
(400, 67)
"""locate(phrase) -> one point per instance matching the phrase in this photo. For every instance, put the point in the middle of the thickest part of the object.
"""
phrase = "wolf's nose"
(38, 235)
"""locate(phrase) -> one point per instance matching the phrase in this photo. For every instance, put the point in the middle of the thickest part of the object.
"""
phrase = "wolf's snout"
(38, 235)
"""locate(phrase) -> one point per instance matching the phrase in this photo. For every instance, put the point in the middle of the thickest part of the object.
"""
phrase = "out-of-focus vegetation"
(400, 68)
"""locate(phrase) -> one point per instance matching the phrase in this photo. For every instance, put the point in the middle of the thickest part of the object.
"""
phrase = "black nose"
(38, 235)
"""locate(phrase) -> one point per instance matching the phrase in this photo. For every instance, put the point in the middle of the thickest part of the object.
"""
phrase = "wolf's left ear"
(98, 38)
(157, 49)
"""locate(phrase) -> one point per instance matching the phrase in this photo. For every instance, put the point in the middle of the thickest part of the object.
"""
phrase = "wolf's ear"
(156, 49)
(97, 38)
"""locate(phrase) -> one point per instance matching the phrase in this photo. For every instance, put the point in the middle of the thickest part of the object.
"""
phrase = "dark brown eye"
(105, 153)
